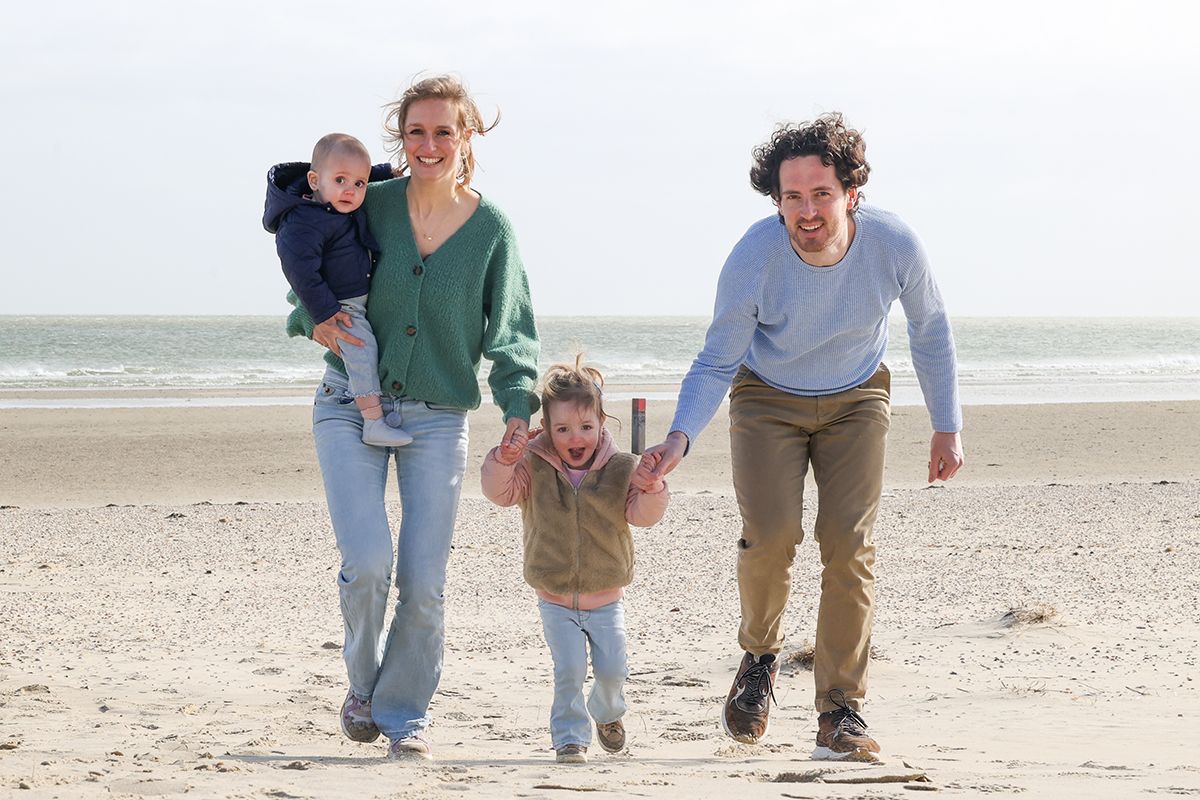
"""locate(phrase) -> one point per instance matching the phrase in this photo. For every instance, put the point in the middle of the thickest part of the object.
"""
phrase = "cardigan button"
(398, 386)
(418, 270)
(410, 330)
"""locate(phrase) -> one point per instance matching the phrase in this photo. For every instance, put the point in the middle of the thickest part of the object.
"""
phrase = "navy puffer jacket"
(326, 256)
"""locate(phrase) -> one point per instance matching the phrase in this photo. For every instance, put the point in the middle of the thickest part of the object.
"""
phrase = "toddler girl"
(578, 496)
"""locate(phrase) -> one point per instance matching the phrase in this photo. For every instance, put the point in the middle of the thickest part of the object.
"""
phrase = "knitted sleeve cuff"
(299, 323)
(517, 402)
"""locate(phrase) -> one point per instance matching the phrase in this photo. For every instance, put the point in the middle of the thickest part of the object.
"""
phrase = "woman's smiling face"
(434, 139)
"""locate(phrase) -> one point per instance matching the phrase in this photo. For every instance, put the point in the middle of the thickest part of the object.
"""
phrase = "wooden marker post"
(639, 426)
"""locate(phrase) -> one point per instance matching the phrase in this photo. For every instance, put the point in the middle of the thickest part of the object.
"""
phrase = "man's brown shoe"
(842, 734)
(745, 714)
(611, 735)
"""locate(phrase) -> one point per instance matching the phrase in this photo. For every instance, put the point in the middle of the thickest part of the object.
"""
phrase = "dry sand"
(186, 638)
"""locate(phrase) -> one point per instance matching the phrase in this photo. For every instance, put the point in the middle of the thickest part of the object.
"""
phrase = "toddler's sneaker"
(571, 754)
(356, 719)
(842, 734)
(379, 433)
(611, 735)
(410, 747)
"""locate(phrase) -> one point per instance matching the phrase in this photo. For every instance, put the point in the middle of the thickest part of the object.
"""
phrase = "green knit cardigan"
(434, 317)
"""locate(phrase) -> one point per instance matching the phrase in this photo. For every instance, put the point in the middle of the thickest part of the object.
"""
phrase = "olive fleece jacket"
(577, 542)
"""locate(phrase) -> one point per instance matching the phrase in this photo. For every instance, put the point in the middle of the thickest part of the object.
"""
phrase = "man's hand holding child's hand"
(644, 478)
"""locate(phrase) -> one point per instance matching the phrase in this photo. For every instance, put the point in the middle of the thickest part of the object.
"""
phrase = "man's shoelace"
(846, 718)
(755, 679)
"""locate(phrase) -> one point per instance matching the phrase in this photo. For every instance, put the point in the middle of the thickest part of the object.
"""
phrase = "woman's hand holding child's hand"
(512, 446)
(644, 478)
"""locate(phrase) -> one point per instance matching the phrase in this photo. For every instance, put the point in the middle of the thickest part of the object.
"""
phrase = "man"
(799, 330)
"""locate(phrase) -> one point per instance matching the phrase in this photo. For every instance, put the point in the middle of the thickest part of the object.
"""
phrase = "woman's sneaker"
(571, 754)
(842, 734)
(410, 747)
(611, 735)
(356, 719)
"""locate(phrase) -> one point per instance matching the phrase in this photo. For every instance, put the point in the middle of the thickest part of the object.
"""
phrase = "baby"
(327, 255)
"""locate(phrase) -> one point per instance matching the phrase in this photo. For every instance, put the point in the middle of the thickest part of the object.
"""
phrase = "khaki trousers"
(774, 436)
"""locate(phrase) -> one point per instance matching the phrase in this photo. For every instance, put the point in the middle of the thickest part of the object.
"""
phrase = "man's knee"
(846, 538)
(769, 538)
(848, 563)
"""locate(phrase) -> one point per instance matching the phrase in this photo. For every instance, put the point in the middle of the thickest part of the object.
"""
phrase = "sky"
(1045, 152)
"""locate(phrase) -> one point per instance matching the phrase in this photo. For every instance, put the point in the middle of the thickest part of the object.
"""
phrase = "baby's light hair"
(574, 383)
(339, 144)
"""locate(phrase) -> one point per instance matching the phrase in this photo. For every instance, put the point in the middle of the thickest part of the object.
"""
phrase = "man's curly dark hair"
(828, 137)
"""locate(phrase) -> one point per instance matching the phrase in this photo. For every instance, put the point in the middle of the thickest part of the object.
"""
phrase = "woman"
(448, 287)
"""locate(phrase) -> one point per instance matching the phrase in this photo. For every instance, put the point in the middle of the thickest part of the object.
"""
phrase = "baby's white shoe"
(379, 433)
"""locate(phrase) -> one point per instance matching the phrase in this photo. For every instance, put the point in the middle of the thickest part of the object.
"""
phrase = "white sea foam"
(1001, 360)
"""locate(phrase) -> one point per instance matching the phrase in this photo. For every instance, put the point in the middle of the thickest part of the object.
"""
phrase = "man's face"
(816, 210)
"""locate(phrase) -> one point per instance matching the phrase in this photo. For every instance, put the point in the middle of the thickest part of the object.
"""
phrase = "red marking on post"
(638, 432)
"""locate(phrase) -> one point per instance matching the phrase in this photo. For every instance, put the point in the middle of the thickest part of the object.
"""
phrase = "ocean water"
(1002, 360)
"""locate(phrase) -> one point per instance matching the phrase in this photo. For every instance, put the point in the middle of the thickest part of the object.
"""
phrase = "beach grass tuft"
(1040, 614)
(804, 655)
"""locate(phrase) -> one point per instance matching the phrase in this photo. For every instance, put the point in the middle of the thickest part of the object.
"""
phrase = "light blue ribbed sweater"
(820, 330)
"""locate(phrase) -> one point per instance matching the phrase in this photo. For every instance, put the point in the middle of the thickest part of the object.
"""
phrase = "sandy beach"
(170, 620)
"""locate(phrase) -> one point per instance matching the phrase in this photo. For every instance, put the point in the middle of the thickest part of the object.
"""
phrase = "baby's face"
(342, 182)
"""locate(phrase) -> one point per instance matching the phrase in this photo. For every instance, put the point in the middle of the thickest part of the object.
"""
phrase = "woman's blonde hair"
(574, 383)
(439, 87)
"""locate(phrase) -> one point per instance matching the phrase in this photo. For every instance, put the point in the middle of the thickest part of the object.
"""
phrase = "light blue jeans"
(362, 363)
(400, 673)
(570, 634)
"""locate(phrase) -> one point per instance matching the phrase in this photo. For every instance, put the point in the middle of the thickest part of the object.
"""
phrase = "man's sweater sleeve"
(735, 318)
(931, 343)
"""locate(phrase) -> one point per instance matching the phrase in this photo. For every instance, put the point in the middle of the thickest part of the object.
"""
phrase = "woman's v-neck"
(412, 234)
